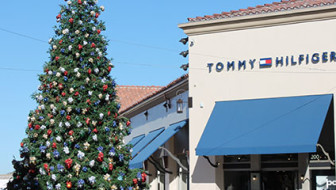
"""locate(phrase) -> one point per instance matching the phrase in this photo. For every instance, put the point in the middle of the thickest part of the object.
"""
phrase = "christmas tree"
(75, 135)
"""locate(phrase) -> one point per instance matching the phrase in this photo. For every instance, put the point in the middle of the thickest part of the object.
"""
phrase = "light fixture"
(302, 177)
(184, 40)
(185, 66)
(179, 106)
(167, 104)
(146, 114)
(254, 177)
(184, 53)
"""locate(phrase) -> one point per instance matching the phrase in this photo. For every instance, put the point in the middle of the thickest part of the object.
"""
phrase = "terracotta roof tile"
(130, 96)
(267, 8)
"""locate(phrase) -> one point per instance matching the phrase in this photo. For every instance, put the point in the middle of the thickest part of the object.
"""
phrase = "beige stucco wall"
(308, 37)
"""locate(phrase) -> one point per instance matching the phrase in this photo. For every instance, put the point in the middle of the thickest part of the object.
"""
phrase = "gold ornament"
(52, 121)
(65, 103)
(100, 96)
(32, 160)
(48, 156)
(35, 135)
(69, 109)
(45, 136)
(71, 90)
(77, 168)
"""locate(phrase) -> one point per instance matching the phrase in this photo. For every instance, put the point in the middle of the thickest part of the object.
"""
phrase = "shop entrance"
(279, 180)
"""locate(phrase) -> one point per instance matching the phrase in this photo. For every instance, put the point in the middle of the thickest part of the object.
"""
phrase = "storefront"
(263, 84)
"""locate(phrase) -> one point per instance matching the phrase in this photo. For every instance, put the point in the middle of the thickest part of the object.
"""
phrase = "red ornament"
(46, 167)
(128, 123)
(143, 176)
(37, 127)
(63, 93)
(68, 117)
(58, 16)
(49, 132)
(50, 115)
(31, 171)
(60, 42)
(21, 144)
(65, 73)
(71, 20)
(97, 15)
(109, 68)
(68, 163)
(54, 145)
(68, 184)
(71, 132)
(80, 47)
(100, 157)
(95, 130)
(93, 45)
(87, 121)
(98, 31)
(88, 101)
(89, 71)
(110, 166)
(30, 125)
(76, 93)
(50, 85)
(60, 86)
(80, 2)
(135, 181)
(56, 58)
(108, 113)
(115, 115)
(57, 99)
(105, 87)
(46, 70)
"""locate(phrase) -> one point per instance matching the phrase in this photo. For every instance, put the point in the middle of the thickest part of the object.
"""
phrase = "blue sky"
(143, 43)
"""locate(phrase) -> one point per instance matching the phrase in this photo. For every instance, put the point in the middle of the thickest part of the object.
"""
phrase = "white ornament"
(71, 90)
(92, 163)
(78, 74)
(96, 70)
(66, 150)
(50, 72)
(102, 8)
(62, 69)
(69, 2)
(50, 40)
(80, 155)
(91, 60)
(52, 106)
(85, 43)
(107, 97)
(60, 124)
(100, 96)
(70, 47)
(48, 155)
(77, 32)
(77, 54)
(53, 177)
(92, 13)
(58, 139)
(54, 46)
(76, 70)
(87, 35)
(100, 54)
(43, 127)
(65, 103)
(94, 137)
(87, 80)
(58, 74)
(90, 93)
(52, 121)
(42, 172)
(48, 144)
(79, 124)
(73, 12)
(67, 124)
(80, 22)
(94, 28)
(58, 186)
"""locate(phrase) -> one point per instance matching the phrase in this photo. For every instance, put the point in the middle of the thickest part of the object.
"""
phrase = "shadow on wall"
(203, 172)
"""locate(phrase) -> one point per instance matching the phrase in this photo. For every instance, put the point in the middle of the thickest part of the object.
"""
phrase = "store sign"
(282, 61)
(325, 183)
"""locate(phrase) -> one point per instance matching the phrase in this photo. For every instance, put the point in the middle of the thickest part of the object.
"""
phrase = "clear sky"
(143, 43)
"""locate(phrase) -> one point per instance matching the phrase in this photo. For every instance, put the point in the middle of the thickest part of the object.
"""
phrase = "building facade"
(262, 82)
(160, 131)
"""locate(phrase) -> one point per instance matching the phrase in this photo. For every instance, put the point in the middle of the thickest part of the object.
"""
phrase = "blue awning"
(265, 126)
(135, 140)
(147, 139)
(155, 144)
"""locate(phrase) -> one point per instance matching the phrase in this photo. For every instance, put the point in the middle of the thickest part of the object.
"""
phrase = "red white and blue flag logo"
(265, 62)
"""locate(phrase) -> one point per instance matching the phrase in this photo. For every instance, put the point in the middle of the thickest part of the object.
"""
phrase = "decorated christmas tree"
(75, 135)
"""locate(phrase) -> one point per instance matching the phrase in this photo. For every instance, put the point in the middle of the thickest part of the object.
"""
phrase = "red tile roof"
(130, 96)
(267, 8)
